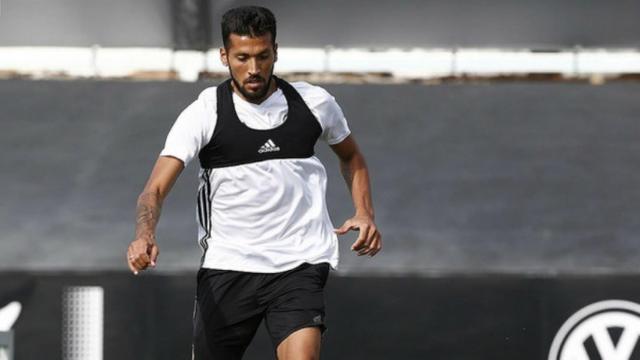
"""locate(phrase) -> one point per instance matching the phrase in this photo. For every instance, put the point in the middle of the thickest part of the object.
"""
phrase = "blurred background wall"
(506, 203)
(407, 23)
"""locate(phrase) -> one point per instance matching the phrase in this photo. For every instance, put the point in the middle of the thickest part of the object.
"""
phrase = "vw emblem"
(606, 330)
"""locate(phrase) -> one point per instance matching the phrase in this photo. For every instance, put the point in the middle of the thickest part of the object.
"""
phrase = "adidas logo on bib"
(269, 146)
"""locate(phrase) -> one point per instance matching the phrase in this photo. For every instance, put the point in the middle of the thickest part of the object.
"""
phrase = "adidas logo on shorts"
(269, 146)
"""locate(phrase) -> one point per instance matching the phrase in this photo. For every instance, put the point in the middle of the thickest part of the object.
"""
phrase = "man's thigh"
(226, 315)
(301, 344)
(297, 302)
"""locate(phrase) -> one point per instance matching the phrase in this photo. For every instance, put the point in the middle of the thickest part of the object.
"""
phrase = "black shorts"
(230, 306)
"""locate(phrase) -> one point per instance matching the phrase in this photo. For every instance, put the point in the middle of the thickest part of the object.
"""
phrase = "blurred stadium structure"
(506, 206)
(332, 40)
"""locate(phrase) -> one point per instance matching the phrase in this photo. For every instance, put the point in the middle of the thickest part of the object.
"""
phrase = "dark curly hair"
(248, 20)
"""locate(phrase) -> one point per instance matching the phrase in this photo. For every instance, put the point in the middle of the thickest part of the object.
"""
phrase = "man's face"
(250, 61)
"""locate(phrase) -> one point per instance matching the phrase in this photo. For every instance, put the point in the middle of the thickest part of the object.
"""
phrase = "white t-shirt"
(267, 216)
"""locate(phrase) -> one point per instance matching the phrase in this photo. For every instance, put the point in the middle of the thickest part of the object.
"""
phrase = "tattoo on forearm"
(147, 214)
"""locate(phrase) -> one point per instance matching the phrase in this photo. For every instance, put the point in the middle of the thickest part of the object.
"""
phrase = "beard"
(253, 96)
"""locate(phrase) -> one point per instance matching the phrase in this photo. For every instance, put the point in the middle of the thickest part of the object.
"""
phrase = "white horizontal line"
(399, 63)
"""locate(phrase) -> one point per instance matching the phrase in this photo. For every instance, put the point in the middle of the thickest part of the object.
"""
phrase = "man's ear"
(275, 52)
(223, 56)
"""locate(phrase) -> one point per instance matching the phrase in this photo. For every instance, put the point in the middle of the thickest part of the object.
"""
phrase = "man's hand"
(142, 253)
(356, 175)
(143, 250)
(369, 240)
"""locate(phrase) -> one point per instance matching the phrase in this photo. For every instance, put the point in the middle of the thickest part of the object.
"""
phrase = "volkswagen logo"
(606, 330)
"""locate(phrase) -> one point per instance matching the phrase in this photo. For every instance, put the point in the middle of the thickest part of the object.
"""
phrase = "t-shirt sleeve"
(329, 114)
(335, 127)
(191, 131)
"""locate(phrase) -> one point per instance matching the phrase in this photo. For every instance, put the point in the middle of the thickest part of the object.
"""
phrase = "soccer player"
(268, 242)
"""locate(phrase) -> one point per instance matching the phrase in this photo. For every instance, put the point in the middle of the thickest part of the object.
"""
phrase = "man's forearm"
(356, 175)
(147, 215)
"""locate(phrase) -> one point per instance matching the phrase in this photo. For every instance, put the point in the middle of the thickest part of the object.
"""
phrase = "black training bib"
(234, 143)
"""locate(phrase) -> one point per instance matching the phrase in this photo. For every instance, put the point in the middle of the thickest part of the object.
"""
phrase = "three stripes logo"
(204, 211)
(269, 146)
(606, 330)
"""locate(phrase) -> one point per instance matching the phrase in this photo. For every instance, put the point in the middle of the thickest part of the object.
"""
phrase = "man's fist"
(142, 253)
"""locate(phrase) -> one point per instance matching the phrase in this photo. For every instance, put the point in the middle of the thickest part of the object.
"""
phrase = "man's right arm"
(143, 250)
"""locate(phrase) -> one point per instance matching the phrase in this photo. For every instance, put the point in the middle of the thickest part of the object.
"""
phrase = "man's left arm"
(356, 175)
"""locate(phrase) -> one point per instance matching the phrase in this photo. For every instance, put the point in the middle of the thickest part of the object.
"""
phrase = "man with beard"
(268, 242)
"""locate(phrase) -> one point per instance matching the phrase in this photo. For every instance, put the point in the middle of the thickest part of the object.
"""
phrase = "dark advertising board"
(450, 317)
